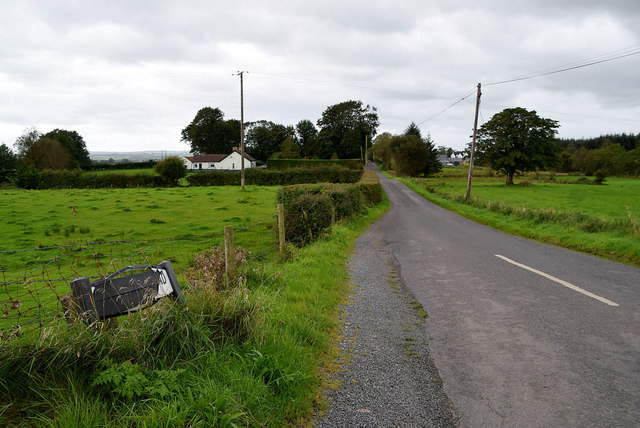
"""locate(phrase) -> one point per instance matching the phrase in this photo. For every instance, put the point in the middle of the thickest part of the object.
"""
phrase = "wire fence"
(34, 280)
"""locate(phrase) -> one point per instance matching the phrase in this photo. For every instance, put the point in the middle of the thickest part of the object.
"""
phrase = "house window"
(233, 166)
(212, 165)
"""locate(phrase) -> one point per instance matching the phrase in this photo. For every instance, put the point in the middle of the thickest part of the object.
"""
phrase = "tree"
(382, 149)
(47, 153)
(263, 138)
(289, 149)
(172, 169)
(307, 136)
(208, 132)
(517, 140)
(409, 155)
(8, 162)
(343, 128)
(413, 129)
(75, 145)
(26, 141)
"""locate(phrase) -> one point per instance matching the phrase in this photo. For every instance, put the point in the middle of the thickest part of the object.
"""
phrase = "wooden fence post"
(281, 232)
(229, 256)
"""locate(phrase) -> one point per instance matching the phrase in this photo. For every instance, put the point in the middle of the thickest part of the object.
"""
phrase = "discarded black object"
(118, 295)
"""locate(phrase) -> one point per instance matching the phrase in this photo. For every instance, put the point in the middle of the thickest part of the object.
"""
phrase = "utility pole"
(473, 142)
(366, 153)
(241, 73)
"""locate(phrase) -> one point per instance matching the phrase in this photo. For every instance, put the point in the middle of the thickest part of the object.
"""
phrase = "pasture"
(246, 355)
(50, 237)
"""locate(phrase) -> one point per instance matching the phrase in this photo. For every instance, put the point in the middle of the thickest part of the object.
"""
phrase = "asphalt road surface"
(523, 334)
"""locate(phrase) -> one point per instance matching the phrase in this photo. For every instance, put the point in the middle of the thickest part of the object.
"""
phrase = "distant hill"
(135, 156)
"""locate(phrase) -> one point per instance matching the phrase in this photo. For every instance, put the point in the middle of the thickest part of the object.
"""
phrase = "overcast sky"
(129, 75)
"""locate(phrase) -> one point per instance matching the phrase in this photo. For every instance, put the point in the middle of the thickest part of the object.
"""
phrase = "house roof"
(204, 157)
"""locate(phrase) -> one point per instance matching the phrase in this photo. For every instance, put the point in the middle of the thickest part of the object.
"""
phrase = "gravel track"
(387, 378)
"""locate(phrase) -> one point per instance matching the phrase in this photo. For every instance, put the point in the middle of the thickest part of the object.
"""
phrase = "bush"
(600, 176)
(27, 177)
(369, 186)
(171, 169)
(306, 217)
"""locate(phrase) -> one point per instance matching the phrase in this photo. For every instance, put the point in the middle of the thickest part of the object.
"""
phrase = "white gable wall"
(231, 162)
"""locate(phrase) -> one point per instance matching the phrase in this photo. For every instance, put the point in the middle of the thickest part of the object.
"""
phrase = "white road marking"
(559, 281)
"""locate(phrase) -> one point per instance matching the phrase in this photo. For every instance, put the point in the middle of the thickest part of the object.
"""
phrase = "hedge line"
(265, 177)
(102, 166)
(53, 179)
(311, 209)
(283, 164)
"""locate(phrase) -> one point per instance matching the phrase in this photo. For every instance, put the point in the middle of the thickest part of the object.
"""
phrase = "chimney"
(235, 149)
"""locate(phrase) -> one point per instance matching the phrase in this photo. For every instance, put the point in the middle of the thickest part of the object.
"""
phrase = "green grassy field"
(602, 220)
(251, 354)
(100, 231)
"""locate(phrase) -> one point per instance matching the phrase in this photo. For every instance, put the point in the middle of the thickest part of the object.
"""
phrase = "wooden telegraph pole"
(473, 142)
(241, 73)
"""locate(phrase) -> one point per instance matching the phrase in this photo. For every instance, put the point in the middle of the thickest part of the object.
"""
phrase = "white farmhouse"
(225, 162)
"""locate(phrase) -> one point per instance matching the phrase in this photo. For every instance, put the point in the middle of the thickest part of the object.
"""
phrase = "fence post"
(281, 227)
(229, 256)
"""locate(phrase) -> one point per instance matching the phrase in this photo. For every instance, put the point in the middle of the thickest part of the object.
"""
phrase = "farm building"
(225, 162)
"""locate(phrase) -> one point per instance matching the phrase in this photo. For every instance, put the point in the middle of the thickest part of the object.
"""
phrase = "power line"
(447, 108)
(562, 70)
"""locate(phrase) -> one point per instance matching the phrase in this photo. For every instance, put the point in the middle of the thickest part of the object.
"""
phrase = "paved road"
(523, 334)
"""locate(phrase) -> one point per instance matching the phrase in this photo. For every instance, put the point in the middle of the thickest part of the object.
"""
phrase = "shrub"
(600, 176)
(306, 217)
(171, 169)
(369, 186)
(27, 177)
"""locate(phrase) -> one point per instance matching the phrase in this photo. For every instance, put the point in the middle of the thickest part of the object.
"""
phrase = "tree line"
(341, 132)
(616, 154)
(57, 149)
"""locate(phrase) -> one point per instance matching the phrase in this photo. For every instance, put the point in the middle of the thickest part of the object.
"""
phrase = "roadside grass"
(559, 210)
(249, 355)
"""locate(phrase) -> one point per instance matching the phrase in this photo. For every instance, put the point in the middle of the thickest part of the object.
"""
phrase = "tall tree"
(26, 141)
(413, 129)
(263, 138)
(344, 126)
(289, 149)
(75, 145)
(517, 140)
(382, 149)
(8, 162)
(208, 132)
(48, 153)
(307, 136)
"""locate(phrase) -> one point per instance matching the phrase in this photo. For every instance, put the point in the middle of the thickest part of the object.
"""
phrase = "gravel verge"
(387, 377)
